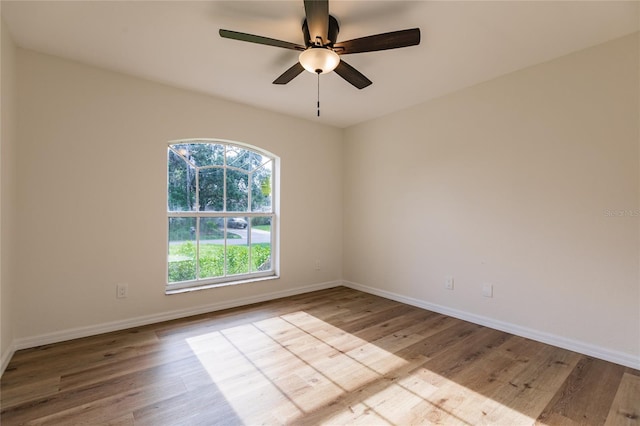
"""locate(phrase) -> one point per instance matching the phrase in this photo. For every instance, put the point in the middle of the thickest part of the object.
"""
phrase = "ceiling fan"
(321, 52)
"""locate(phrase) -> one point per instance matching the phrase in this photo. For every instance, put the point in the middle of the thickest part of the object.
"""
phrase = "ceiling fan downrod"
(318, 72)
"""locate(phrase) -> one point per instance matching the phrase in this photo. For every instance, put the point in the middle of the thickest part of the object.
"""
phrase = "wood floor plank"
(349, 405)
(35, 389)
(200, 406)
(482, 382)
(36, 408)
(86, 355)
(105, 410)
(174, 356)
(441, 340)
(459, 355)
(125, 420)
(556, 419)
(335, 356)
(576, 400)
(625, 409)
(530, 390)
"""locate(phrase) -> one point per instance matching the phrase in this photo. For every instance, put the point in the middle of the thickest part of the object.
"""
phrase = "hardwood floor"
(335, 356)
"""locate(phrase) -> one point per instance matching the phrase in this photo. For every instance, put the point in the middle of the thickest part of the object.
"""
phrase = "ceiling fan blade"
(392, 40)
(259, 40)
(317, 12)
(352, 75)
(289, 74)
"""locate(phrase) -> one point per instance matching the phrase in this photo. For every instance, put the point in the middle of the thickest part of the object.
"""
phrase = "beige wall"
(507, 182)
(92, 193)
(510, 183)
(8, 191)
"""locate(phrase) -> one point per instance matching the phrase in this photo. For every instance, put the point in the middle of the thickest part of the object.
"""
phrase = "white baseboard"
(6, 357)
(621, 358)
(75, 333)
(562, 342)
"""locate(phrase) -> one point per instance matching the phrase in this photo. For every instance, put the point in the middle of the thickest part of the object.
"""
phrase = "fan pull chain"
(318, 94)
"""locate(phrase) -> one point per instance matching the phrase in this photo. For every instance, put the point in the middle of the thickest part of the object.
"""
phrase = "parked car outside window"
(236, 222)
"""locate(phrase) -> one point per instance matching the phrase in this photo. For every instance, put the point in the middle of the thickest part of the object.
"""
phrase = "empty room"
(320, 212)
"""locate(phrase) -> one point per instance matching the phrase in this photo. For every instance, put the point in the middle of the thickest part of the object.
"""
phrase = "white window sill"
(197, 287)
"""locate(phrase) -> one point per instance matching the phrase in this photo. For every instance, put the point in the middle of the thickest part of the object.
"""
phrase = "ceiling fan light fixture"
(319, 60)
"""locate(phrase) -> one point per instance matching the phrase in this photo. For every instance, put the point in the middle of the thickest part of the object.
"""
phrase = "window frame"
(273, 214)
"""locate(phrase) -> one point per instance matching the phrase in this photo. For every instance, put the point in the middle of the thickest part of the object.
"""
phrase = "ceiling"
(177, 43)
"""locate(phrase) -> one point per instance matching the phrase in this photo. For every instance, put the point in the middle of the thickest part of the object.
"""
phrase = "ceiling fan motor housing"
(334, 29)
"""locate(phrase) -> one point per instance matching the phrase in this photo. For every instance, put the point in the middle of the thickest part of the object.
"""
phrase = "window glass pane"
(240, 158)
(237, 245)
(211, 195)
(182, 249)
(183, 151)
(258, 160)
(261, 189)
(201, 154)
(237, 191)
(211, 254)
(181, 183)
(244, 159)
(205, 154)
(261, 243)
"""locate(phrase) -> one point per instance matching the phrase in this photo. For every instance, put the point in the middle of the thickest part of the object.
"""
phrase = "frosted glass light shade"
(319, 59)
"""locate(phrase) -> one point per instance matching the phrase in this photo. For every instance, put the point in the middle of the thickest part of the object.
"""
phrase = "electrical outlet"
(448, 282)
(317, 264)
(122, 290)
(487, 290)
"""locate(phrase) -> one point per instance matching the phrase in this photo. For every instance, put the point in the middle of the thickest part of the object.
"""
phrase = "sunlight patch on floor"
(285, 368)
(288, 366)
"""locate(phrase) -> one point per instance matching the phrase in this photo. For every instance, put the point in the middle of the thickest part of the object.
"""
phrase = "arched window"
(221, 214)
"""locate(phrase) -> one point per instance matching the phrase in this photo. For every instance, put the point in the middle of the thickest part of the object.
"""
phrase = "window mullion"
(224, 189)
(197, 171)
(197, 248)
(249, 184)
(225, 270)
(249, 243)
(217, 214)
(271, 240)
(225, 267)
(224, 180)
